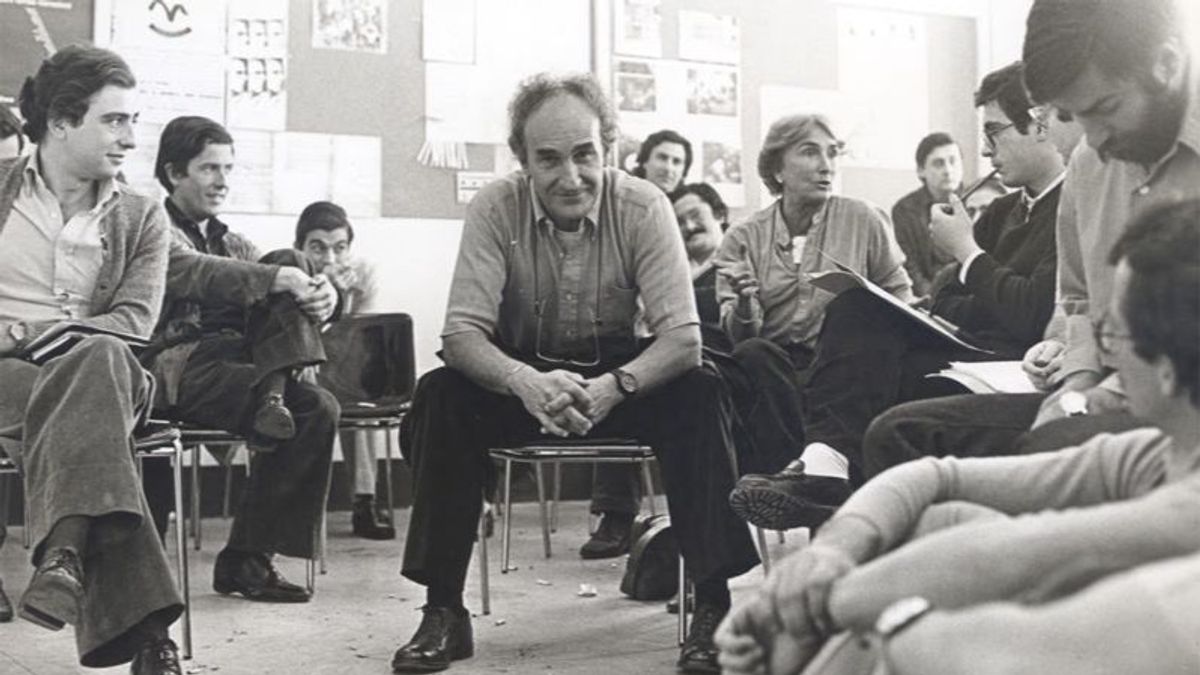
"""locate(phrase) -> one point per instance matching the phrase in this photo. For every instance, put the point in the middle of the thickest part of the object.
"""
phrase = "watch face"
(627, 382)
(899, 614)
(1073, 403)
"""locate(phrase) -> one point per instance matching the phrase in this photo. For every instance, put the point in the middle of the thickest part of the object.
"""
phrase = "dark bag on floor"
(652, 571)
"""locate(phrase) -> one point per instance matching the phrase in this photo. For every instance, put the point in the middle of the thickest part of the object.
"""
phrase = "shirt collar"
(1031, 202)
(107, 190)
(542, 218)
(216, 228)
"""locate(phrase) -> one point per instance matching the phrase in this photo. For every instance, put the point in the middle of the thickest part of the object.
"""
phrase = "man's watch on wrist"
(627, 384)
(900, 615)
(18, 332)
(1073, 403)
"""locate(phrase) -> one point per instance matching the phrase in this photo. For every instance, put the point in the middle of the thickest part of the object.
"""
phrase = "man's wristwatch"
(1073, 403)
(18, 332)
(626, 382)
(900, 615)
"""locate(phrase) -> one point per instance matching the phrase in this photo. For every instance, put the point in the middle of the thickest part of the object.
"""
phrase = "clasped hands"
(315, 295)
(781, 628)
(564, 402)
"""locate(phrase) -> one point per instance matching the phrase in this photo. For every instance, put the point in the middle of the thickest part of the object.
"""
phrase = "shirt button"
(570, 297)
(1144, 190)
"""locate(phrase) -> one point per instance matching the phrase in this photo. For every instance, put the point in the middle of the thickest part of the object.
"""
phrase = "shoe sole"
(774, 510)
(589, 554)
(51, 602)
(230, 589)
(463, 653)
(275, 424)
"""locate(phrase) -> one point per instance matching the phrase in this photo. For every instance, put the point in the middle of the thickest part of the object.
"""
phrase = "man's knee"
(884, 440)
(756, 354)
(441, 388)
(104, 347)
(287, 257)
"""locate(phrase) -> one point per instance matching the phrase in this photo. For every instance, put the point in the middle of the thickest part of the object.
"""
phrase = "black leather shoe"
(699, 653)
(6, 608)
(443, 636)
(52, 598)
(610, 539)
(367, 522)
(273, 419)
(159, 657)
(255, 577)
(790, 498)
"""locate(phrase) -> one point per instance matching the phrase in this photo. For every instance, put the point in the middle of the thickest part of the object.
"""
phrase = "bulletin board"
(353, 88)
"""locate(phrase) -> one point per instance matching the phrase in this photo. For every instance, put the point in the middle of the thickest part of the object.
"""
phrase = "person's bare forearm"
(669, 356)
(474, 355)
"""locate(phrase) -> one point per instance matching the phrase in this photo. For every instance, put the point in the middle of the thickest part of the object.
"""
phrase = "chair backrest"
(370, 359)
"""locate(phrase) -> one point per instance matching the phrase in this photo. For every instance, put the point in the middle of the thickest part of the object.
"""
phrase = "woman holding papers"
(768, 307)
(872, 354)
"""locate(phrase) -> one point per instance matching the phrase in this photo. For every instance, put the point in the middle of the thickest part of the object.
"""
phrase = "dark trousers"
(768, 430)
(869, 358)
(454, 421)
(975, 425)
(281, 506)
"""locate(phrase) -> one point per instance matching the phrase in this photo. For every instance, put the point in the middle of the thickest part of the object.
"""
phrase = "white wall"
(413, 259)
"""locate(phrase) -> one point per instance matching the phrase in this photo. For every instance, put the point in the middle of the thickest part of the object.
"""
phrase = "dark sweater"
(1009, 294)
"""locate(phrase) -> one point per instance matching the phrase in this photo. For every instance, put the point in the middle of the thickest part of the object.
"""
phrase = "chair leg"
(324, 541)
(181, 549)
(484, 592)
(387, 470)
(648, 486)
(782, 536)
(507, 516)
(557, 496)
(226, 498)
(683, 586)
(762, 550)
(196, 495)
(541, 490)
(26, 534)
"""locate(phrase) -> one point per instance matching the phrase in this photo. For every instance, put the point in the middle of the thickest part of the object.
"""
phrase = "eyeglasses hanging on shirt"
(539, 305)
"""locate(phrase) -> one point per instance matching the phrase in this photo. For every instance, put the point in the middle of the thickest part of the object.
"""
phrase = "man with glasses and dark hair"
(1000, 290)
(957, 534)
(1123, 69)
(539, 339)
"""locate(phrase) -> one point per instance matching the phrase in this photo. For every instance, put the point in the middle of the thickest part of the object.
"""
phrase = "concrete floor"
(364, 610)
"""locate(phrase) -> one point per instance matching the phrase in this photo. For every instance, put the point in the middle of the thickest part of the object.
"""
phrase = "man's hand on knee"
(316, 296)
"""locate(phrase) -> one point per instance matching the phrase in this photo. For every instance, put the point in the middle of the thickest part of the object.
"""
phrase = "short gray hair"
(784, 133)
(536, 90)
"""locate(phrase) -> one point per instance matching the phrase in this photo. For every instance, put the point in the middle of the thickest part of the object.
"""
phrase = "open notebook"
(989, 377)
(843, 279)
(61, 337)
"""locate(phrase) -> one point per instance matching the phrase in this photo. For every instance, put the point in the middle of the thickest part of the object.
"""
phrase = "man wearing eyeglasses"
(1123, 70)
(539, 340)
(999, 290)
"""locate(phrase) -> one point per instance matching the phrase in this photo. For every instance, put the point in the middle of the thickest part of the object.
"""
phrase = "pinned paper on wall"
(350, 25)
(704, 36)
(465, 103)
(889, 106)
(257, 65)
(637, 25)
(176, 53)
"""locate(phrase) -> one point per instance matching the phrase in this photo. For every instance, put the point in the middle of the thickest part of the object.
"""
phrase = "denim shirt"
(512, 267)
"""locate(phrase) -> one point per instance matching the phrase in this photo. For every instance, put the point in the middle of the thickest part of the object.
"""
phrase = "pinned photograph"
(635, 87)
(352, 25)
(638, 26)
(722, 162)
(712, 91)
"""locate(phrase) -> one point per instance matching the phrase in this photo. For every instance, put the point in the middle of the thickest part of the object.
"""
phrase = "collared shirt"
(788, 309)
(49, 269)
(1099, 199)
(512, 266)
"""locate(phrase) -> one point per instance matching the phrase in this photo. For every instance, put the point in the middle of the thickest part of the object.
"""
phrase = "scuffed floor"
(363, 610)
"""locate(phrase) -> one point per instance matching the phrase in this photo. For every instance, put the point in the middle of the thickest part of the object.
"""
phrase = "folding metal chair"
(192, 437)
